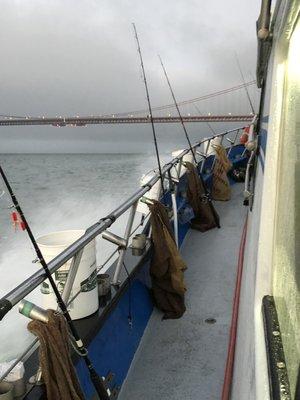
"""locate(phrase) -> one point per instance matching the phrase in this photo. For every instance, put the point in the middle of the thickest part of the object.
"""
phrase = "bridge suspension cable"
(245, 85)
(190, 101)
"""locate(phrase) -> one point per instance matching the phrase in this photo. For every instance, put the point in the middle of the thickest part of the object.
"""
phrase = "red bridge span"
(94, 120)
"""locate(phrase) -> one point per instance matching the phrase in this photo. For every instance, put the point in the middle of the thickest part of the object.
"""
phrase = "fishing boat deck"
(185, 358)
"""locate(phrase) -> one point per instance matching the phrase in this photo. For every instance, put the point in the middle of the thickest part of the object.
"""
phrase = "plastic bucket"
(214, 142)
(152, 194)
(86, 303)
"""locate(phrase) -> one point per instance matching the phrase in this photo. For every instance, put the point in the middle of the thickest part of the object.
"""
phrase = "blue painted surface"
(265, 118)
(261, 160)
(262, 140)
(114, 346)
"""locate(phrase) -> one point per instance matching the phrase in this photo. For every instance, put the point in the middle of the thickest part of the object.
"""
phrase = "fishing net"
(167, 266)
(206, 216)
(221, 189)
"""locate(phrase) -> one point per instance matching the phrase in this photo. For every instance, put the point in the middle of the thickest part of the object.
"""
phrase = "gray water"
(57, 192)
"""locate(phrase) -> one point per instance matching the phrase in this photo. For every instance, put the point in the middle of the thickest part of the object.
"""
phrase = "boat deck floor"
(185, 358)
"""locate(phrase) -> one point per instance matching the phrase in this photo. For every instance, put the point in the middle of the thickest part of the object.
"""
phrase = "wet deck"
(185, 358)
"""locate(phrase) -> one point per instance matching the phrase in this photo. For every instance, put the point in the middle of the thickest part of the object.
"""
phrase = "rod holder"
(175, 180)
(230, 140)
(200, 153)
(138, 244)
(115, 239)
(30, 310)
(146, 200)
(120, 261)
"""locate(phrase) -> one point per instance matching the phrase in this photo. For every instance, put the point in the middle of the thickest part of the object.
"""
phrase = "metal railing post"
(232, 142)
(71, 276)
(174, 206)
(207, 144)
(236, 135)
(120, 261)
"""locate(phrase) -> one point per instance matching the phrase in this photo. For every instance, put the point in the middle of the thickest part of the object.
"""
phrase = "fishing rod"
(149, 107)
(207, 194)
(244, 82)
(96, 380)
(207, 123)
(178, 111)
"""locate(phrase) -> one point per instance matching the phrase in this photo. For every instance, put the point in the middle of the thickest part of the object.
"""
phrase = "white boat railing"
(75, 249)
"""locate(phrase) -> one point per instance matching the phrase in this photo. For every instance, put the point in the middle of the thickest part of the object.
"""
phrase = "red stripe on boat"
(234, 319)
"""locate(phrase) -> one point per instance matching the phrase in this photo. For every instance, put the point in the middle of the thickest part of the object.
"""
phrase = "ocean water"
(58, 192)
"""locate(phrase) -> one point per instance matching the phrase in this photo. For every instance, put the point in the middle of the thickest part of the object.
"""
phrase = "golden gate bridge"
(138, 116)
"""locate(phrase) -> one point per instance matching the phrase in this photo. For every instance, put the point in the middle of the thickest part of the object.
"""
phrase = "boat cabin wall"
(270, 258)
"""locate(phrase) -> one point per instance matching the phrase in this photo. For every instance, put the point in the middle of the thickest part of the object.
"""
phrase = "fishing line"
(149, 106)
(6, 305)
(207, 194)
(244, 82)
(207, 123)
(178, 111)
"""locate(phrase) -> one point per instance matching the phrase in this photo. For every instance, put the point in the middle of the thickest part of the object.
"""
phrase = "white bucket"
(86, 303)
(178, 170)
(152, 194)
(214, 142)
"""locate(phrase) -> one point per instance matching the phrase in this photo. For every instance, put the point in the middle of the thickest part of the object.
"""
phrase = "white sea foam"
(57, 192)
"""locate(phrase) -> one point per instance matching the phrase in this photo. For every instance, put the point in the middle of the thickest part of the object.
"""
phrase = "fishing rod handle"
(99, 385)
(5, 307)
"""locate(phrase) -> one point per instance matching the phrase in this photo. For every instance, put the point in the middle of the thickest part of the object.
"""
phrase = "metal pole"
(233, 142)
(71, 276)
(174, 205)
(119, 266)
(206, 153)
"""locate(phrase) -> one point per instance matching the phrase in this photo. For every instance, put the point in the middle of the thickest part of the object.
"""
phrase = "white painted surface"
(152, 194)
(86, 302)
(250, 371)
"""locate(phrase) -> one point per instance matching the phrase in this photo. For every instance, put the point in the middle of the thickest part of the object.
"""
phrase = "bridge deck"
(185, 358)
(94, 120)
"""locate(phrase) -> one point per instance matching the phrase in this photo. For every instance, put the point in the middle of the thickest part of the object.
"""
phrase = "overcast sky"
(70, 57)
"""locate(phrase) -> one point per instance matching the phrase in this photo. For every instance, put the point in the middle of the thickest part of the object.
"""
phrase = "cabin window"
(286, 278)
